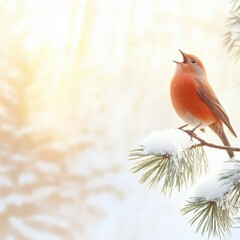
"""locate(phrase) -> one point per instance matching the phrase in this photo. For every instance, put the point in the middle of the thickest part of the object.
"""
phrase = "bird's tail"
(218, 129)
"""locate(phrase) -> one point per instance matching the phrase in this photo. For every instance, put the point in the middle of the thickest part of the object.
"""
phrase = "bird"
(194, 99)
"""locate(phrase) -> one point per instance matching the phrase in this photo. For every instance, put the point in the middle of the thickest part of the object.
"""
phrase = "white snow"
(27, 178)
(47, 167)
(70, 193)
(44, 192)
(30, 232)
(20, 199)
(13, 199)
(50, 220)
(5, 181)
(17, 199)
(9, 237)
(233, 168)
(235, 32)
(5, 169)
(170, 141)
(211, 189)
(23, 131)
(7, 127)
(19, 157)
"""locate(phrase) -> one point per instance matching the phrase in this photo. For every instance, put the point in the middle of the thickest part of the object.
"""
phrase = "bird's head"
(190, 64)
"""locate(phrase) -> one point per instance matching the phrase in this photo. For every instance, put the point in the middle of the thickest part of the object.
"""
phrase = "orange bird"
(194, 99)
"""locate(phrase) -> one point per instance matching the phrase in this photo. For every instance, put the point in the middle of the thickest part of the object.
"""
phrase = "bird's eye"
(193, 60)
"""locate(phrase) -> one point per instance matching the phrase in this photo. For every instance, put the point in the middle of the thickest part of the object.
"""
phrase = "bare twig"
(202, 142)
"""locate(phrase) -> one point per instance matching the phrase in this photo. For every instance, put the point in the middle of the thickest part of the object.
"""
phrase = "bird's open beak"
(184, 57)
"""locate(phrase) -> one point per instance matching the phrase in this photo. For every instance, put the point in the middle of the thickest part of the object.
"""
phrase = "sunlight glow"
(51, 32)
(63, 41)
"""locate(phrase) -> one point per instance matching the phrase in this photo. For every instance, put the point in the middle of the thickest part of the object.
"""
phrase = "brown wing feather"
(218, 129)
(209, 97)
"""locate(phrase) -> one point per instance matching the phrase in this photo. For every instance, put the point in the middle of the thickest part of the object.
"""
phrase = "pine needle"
(231, 177)
(229, 38)
(173, 171)
(213, 217)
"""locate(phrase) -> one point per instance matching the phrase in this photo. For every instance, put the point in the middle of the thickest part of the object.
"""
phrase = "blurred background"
(82, 82)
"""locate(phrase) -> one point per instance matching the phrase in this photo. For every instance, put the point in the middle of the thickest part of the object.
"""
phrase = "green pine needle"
(213, 217)
(173, 171)
(237, 222)
(231, 177)
(235, 5)
(236, 194)
(228, 41)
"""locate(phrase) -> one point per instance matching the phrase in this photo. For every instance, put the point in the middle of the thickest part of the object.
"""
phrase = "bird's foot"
(190, 132)
(182, 127)
(196, 127)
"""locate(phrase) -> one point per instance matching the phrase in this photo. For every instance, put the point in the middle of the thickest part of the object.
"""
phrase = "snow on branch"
(212, 208)
(231, 177)
(213, 218)
(176, 159)
(170, 156)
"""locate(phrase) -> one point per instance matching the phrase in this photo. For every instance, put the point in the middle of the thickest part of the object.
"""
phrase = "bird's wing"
(209, 97)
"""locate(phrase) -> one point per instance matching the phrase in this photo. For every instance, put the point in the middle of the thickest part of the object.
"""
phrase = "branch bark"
(202, 142)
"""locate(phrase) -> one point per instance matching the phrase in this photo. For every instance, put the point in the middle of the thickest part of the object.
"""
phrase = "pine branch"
(213, 216)
(237, 222)
(235, 5)
(232, 37)
(173, 170)
(214, 212)
(231, 176)
(203, 143)
(175, 158)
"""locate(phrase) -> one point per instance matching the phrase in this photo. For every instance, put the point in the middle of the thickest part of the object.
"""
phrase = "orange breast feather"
(188, 103)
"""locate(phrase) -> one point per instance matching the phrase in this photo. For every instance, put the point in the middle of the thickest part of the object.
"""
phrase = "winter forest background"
(82, 82)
